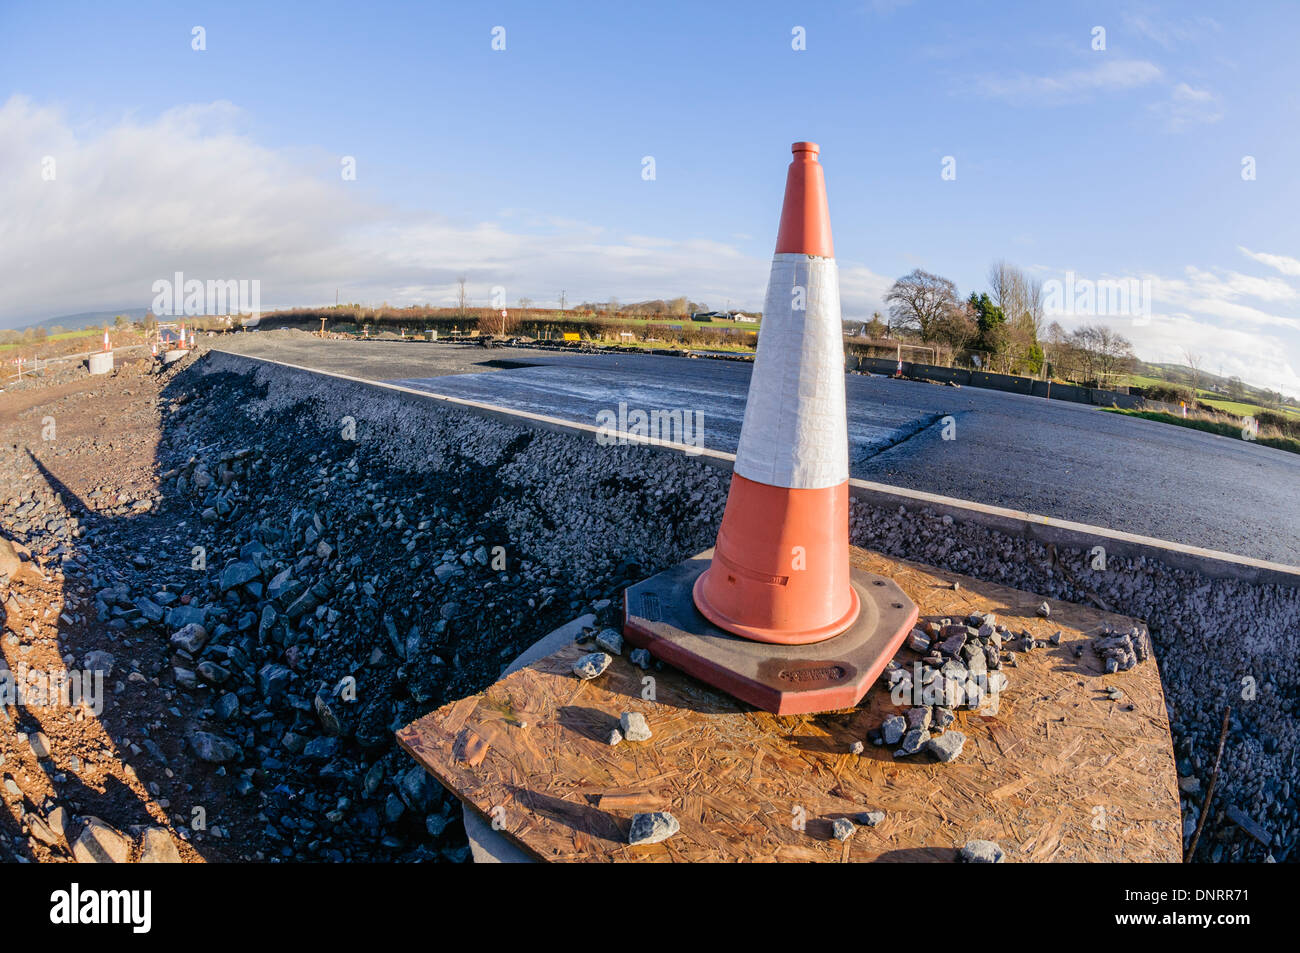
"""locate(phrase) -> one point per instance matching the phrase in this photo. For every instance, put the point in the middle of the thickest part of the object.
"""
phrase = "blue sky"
(522, 168)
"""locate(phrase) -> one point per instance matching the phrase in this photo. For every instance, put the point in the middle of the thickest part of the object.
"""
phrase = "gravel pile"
(595, 514)
(310, 583)
(1218, 643)
(369, 556)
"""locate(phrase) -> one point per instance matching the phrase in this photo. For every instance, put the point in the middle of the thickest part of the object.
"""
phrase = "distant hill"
(1182, 374)
(655, 306)
(86, 319)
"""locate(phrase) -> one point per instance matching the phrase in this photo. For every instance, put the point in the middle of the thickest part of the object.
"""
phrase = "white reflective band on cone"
(795, 432)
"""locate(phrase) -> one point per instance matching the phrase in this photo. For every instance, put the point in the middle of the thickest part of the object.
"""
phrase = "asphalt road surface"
(1069, 461)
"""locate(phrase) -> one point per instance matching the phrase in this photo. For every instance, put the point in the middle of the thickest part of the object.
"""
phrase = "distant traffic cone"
(107, 346)
(780, 570)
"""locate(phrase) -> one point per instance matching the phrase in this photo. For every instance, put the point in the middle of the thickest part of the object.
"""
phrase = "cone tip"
(810, 147)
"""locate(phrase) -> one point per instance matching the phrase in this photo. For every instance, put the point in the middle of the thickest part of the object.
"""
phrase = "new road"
(1058, 459)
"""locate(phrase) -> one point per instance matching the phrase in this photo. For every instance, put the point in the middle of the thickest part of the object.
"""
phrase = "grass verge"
(1220, 427)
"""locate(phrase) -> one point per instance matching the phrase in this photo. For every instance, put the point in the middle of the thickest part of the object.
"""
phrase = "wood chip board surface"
(1060, 773)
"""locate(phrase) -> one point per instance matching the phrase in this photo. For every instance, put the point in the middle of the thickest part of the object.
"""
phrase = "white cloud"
(1284, 264)
(187, 191)
(1108, 75)
(1169, 33)
(1188, 106)
(1245, 324)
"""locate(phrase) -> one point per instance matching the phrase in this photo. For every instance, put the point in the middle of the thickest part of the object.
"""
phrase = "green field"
(1237, 407)
(65, 336)
(1208, 397)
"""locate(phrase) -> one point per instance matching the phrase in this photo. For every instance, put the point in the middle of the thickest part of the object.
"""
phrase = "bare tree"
(1102, 352)
(461, 298)
(920, 301)
(1194, 362)
(1020, 297)
(958, 328)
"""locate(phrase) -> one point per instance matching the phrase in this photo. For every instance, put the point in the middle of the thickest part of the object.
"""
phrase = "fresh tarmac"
(1058, 459)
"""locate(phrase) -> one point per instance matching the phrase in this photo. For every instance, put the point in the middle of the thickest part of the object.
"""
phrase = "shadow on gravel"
(67, 719)
(284, 601)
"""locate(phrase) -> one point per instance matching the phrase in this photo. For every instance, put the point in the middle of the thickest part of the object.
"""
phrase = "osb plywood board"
(1060, 773)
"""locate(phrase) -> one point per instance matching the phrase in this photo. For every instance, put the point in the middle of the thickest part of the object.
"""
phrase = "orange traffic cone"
(775, 614)
(107, 346)
(780, 570)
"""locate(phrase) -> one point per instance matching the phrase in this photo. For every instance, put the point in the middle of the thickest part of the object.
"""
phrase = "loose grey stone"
(652, 828)
(40, 745)
(913, 741)
(947, 747)
(857, 748)
(919, 641)
(1044, 610)
(634, 726)
(157, 847)
(892, 729)
(615, 736)
(982, 852)
(191, 638)
(101, 843)
(236, 574)
(100, 661)
(640, 658)
(213, 748)
(591, 665)
(941, 717)
(918, 718)
(871, 818)
(842, 828)
(611, 640)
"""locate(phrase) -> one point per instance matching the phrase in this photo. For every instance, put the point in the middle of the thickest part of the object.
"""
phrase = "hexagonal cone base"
(660, 615)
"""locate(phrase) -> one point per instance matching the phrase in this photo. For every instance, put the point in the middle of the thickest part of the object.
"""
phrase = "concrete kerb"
(1015, 523)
